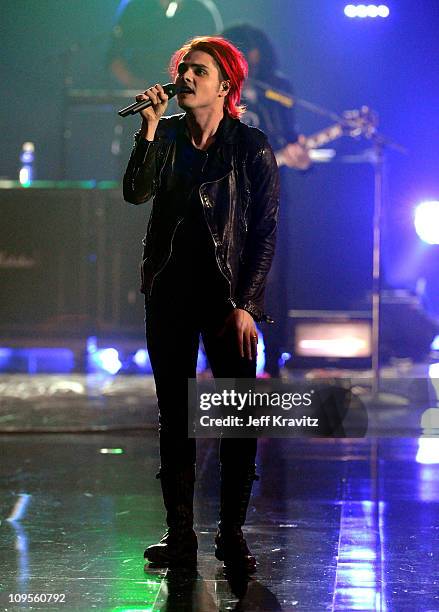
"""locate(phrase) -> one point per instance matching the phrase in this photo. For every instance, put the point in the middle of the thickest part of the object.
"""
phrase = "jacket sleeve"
(261, 235)
(141, 176)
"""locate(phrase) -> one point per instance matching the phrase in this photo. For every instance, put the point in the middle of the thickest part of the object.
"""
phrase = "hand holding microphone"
(152, 103)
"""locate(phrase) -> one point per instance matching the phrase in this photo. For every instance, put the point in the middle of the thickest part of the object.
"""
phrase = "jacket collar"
(175, 126)
(227, 130)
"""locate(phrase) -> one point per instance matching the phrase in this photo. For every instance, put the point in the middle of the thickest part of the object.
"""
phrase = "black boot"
(230, 544)
(178, 546)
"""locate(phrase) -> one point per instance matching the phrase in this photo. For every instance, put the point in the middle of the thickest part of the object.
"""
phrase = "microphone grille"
(170, 89)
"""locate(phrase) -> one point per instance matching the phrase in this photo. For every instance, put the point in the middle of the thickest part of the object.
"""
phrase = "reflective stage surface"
(335, 525)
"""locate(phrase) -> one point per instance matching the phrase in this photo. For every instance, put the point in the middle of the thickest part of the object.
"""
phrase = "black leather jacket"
(240, 201)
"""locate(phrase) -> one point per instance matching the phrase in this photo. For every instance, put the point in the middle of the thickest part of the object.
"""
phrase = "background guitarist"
(274, 116)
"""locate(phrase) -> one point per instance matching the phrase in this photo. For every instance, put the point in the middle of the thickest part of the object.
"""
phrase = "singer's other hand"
(159, 102)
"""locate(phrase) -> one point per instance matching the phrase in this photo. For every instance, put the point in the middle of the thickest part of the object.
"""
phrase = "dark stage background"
(387, 64)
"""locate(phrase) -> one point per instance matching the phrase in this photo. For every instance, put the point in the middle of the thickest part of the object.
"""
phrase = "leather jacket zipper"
(163, 165)
(203, 202)
(166, 260)
(175, 228)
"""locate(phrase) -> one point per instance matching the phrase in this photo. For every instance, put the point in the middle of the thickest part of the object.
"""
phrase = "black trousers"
(174, 323)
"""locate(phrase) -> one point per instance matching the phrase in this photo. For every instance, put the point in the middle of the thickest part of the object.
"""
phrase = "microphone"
(170, 89)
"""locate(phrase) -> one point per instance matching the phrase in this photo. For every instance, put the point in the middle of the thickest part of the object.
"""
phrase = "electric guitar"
(356, 123)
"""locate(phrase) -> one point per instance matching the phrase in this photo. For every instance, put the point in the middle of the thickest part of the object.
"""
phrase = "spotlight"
(171, 10)
(350, 10)
(141, 358)
(106, 359)
(373, 11)
(370, 10)
(383, 10)
(428, 450)
(427, 221)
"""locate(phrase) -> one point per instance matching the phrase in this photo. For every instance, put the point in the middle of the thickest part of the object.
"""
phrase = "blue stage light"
(427, 221)
(141, 358)
(106, 359)
(19, 509)
(35, 360)
(142, 361)
(92, 344)
(366, 10)
(260, 359)
(202, 363)
(5, 357)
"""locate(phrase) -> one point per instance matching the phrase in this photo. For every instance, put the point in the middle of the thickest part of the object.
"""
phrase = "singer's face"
(199, 74)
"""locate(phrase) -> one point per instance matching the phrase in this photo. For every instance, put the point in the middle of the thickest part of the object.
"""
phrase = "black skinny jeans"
(176, 316)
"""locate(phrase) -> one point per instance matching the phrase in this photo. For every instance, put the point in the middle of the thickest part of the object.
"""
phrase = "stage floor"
(335, 525)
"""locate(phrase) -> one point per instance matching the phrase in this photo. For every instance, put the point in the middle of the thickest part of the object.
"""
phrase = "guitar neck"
(315, 141)
(324, 136)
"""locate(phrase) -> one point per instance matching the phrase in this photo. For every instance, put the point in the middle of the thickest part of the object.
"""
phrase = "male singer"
(207, 252)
